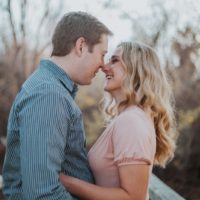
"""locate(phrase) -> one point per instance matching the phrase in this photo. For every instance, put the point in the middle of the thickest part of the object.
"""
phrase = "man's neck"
(68, 64)
(60, 62)
(65, 63)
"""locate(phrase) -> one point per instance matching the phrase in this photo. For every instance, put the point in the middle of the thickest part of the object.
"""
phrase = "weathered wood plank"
(158, 190)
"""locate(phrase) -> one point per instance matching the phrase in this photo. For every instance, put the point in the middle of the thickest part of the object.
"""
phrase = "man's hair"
(74, 25)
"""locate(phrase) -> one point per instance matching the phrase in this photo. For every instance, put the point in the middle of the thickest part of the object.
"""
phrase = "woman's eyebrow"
(114, 56)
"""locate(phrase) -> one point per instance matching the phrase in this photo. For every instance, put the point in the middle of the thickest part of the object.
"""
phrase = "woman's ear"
(80, 46)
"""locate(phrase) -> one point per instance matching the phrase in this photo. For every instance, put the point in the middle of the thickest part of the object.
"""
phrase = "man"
(45, 130)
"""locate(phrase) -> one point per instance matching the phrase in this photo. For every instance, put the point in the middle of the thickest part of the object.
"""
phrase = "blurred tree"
(18, 53)
(186, 45)
(88, 99)
(26, 35)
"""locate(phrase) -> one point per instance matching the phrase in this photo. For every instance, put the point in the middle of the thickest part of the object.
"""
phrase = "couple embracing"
(46, 157)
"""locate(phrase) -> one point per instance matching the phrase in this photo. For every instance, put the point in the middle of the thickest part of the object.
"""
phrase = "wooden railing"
(160, 191)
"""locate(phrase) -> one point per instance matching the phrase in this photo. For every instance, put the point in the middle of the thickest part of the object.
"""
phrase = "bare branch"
(44, 17)
(23, 16)
(4, 42)
(110, 4)
(44, 47)
(12, 23)
(37, 56)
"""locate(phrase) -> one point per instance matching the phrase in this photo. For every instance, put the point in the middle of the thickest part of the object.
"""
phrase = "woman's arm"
(133, 185)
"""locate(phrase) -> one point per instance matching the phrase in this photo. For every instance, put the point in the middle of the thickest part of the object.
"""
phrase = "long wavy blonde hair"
(146, 85)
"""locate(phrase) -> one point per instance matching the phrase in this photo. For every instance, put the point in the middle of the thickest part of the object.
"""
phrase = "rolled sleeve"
(132, 140)
(44, 122)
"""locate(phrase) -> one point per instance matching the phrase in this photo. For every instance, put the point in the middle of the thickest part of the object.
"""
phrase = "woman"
(140, 132)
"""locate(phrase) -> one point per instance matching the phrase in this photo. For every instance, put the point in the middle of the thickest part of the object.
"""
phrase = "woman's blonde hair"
(146, 85)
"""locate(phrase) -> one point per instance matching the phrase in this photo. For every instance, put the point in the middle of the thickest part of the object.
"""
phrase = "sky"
(122, 28)
(182, 12)
(112, 16)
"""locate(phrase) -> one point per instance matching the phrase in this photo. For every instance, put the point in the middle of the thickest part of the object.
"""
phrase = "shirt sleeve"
(43, 122)
(131, 140)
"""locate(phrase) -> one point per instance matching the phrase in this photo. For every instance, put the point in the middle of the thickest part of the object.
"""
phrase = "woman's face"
(114, 72)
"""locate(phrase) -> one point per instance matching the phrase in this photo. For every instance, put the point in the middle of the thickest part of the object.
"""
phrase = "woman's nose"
(105, 68)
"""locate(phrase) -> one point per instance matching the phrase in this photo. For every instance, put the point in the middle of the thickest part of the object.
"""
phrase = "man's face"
(92, 61)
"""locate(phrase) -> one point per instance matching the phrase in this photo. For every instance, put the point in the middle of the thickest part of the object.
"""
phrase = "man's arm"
(44, 123)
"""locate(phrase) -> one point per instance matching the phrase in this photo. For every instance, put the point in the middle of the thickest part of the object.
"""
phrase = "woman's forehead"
(117, 52)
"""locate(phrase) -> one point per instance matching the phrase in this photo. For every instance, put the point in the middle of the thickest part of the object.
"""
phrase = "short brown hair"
(74, 25)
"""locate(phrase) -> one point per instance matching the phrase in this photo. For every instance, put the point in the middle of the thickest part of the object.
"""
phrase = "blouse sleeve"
(132, 141)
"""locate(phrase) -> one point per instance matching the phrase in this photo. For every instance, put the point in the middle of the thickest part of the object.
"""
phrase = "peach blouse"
(129, 139)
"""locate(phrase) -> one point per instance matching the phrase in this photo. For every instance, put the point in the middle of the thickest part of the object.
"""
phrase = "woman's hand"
(63, 177)
(66, 180)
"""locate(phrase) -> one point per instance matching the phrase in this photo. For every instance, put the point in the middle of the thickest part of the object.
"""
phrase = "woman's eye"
(114, 61)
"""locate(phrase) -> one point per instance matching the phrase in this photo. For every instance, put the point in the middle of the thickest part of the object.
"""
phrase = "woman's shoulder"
(134, 118)
(132, 113)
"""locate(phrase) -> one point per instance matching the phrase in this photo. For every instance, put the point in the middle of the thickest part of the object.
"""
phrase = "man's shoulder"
(40, 82)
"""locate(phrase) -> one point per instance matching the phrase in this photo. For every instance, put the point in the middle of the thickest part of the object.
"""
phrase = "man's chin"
(86, 83)
(89, 82)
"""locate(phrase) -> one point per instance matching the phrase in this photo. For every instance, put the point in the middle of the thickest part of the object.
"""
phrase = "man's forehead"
(103, 44)
(104, 41)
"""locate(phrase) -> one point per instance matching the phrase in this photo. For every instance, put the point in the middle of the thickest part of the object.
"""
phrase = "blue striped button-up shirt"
(45, 136)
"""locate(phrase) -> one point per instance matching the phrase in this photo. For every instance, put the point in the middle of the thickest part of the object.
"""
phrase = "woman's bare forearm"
(90, 191)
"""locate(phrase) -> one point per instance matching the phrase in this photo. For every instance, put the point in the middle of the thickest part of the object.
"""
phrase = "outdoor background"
(171, 27)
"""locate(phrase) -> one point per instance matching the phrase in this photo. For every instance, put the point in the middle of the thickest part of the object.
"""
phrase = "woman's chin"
(107, 89)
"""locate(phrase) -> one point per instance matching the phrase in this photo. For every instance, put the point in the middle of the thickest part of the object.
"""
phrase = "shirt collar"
(59, 73)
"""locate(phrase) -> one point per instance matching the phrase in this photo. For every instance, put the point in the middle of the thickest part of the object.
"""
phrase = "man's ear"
(80, 46)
